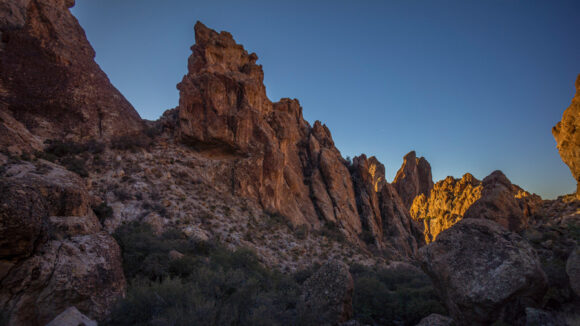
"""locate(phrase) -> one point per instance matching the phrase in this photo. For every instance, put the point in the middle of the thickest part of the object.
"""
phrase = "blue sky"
(473, 86)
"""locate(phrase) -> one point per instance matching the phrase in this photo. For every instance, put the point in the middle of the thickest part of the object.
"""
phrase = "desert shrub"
(103, 211)
(401, 296)
(131, 142)
(301, 231)
(208, 285)
(76, 165)
(60, 148)
(332, 231)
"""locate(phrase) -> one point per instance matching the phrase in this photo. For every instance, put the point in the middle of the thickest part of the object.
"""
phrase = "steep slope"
(568, 137)
(49, 81)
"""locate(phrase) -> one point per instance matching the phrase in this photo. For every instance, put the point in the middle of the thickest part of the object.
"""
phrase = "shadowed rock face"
(484, 272)
(496, 198)
(49, 81)
(274, 155)
(382, 212)
(54, 253)
(413, 178)
(567, 135)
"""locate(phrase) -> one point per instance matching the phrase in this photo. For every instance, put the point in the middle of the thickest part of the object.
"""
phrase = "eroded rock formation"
(495, 198)
(272, 154)
(54, 253)
(568, 137)
(384, 217)
(484, 272)
(49, 81)
(413, 178)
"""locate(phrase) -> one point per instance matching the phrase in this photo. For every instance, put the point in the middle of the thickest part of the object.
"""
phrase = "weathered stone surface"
(483, 272)
(72, 317)
(49, 80)
(568, 137)
(413, 178)
(496, 198)
(436, 320)
(504, 203)
(446, 205)
(273, 154)
(327, 295)
(573, 270)
(54, 253)
(382, 212)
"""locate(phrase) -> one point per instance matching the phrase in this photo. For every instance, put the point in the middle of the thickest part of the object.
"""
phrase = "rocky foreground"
(229, 167)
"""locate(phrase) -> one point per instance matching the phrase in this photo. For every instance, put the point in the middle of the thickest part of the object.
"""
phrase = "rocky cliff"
(273, 155)
(413, 178)
(50, 85)
(568, 138)
(495, 198)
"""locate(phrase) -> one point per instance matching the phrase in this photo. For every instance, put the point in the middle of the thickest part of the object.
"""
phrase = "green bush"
(208, 285)
(400, 296)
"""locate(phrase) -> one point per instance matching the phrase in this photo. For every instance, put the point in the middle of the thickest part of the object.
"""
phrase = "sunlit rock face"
(413, 178)
(567, 135)
(496, 198)
(273, 155)
(49, 81)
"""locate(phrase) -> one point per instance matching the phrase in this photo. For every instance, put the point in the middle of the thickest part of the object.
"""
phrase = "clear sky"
(473, 86)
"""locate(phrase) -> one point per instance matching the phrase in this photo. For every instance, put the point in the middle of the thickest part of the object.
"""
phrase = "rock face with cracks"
(54, 253)
(271, 154)
(49, 81)
(413, 178)
(484, 272)
(495, 198)
(568, 137)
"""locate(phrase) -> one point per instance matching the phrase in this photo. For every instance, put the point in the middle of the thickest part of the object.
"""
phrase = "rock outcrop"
(484, 272)
(269, 153)
(385, 219)
(413, 178)
(568, 137)
(327, 295)
(505, 203)
(496, 198)
(49, 81)
(54, 253)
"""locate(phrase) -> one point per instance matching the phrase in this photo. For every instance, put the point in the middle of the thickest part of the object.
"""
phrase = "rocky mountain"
(50, 85)
(231, 203)
(567, 138)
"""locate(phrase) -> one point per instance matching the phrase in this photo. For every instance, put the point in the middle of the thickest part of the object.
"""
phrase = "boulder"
(54, 253)
(484, 272)
(327, 295)
(568, 137)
